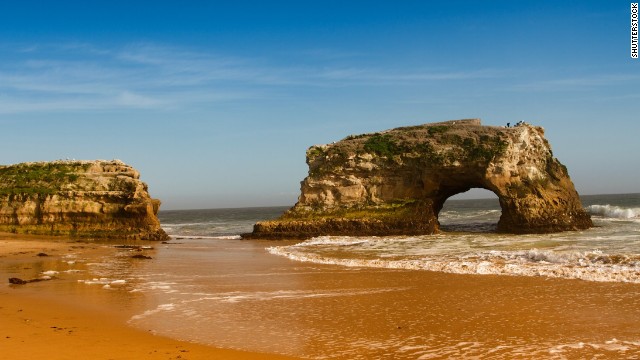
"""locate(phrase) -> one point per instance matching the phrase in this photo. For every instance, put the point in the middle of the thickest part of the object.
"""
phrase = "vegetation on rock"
(36, 178)
(383, 145)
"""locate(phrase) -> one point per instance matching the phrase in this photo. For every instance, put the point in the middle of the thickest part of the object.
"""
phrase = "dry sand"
(39, 325)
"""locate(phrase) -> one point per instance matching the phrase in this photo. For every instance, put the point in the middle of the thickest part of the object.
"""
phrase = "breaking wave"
(614, 212)
(593, 265)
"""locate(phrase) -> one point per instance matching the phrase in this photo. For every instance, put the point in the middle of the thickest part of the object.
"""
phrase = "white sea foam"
(225, 237)
(159, 308)
(162, 286)
(291, 294)
(235, 297)
(332, 240)
(593, 265)
(614, 212)
(609, 346)
(453, 214)
(186, 306)
(105, 282)
(93, 281)
(478, 350)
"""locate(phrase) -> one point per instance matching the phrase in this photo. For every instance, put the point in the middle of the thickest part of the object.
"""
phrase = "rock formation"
(396, 182)
(97, 199)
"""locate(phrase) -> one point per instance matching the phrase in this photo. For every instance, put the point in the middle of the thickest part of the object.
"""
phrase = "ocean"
(468, 244)
(465, 293)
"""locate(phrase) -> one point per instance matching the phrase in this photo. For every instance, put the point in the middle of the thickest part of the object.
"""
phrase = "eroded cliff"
(95, 199)
(396, 182)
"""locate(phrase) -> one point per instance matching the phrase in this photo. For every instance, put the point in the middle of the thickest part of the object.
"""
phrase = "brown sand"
(39, 325)
(360, 313)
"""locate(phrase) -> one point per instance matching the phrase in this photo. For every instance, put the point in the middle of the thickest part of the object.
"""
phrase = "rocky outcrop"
(396, 182)
(96, 199)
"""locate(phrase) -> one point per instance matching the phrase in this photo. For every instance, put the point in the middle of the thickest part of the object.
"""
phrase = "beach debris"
(42, 254)
(18, 281)
(140, 256)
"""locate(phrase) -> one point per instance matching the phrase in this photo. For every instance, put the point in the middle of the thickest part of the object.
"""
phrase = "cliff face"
(396, 182)
(99, 199)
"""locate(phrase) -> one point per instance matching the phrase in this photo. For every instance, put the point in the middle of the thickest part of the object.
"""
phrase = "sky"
(216, 102)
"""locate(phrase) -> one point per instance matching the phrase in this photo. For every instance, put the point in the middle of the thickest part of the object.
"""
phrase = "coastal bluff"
(88, 199)
(395, 182)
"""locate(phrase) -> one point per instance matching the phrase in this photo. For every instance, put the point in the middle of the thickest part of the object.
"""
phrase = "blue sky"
(216, 102)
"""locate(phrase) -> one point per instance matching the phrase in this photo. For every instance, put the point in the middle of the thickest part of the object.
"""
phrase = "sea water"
(468, 243)
(336, 297)
(215, 223)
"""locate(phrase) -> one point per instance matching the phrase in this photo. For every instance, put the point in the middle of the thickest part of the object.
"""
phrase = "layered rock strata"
(396, 182)
(95, 199)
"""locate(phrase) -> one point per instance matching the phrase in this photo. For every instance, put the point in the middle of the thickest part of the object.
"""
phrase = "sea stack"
(395, 182)
(89, 199)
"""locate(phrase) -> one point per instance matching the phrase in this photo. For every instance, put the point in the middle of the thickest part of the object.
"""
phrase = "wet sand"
(233, 294)
(36, 327)
(40, 322)
(247, 299)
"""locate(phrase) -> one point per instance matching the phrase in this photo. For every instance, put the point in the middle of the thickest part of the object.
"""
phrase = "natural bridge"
(395, 182)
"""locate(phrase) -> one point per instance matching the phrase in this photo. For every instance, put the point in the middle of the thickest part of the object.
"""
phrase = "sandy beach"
(38, 323)
(266, 304)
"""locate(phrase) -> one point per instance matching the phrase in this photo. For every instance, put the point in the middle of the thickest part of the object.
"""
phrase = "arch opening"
(470, 210)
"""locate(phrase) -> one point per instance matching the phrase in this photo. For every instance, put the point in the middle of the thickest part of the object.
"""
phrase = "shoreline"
(264, 304)
(39, 323)
(38, 328)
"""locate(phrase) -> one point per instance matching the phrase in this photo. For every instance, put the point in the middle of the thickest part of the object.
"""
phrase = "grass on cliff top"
(433, 145)
(476, 144)
(385, 211)
(35, 178)
(383, 145)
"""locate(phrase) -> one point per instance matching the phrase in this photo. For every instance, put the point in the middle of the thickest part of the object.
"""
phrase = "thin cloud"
(130, 99)
(578, 83)
(369, 75)
(325, 54)
(77, 76)
(43, 81)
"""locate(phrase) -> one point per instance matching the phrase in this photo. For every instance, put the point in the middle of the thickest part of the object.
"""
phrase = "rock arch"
(396, 182)
(478, 213)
